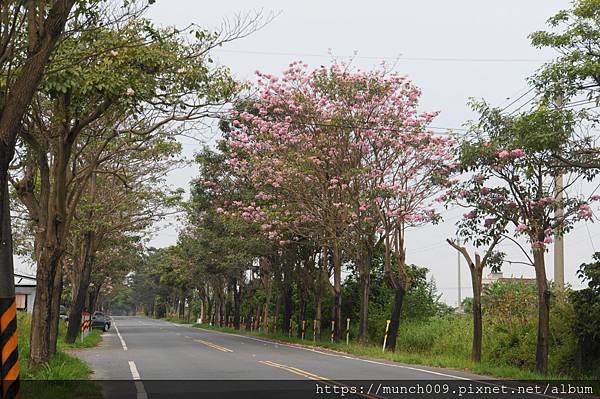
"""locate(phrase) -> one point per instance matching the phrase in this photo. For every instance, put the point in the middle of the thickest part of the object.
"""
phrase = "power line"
(399, 58)
(520, 97)
(590, 236)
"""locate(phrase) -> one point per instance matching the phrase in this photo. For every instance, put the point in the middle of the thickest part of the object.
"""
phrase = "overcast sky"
(453, 50)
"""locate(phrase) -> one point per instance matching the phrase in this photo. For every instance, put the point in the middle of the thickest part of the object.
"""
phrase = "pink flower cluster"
(317, 139)
(516, 153)
(585, 211)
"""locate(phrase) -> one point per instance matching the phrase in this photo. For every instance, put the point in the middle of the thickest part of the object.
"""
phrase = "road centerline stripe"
(214, 346)
(312, 376)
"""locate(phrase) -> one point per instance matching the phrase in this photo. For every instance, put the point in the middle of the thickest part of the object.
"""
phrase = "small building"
(25, 292)
(499, 277)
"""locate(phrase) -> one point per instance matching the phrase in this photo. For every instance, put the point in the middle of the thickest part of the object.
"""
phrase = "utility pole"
(9, 372)
(459, 283)
(559, 245)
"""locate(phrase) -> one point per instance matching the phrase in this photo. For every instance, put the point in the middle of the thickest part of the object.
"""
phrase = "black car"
(99, 320)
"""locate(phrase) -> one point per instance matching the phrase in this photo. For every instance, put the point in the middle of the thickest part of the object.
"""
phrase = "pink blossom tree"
(337, 153)
(416, 167)
(512, 192)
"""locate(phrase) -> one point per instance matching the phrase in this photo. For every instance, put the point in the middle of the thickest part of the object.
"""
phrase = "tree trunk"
(287, 305)
(277, 312)
(337, 291)
(221, 312)
(181, 314)
(41, 319)
(94, 295)
(202, 310)
(476, 275)
(395, 318)
(399, 283)
(543, 333)
(55, 311)
(80, 285)
(364, 266)
(209, 309)
(236, 305)
(318, 312)
(301, 313)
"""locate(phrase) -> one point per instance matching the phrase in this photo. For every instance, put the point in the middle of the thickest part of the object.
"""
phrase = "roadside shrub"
(441, 335)
(586, 322)
(510, 327)
(509, 323)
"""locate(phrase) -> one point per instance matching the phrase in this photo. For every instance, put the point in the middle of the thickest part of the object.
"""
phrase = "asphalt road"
(157, 359)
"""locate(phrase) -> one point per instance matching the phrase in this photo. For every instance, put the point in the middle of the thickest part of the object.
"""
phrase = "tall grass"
(61, 366)
(438, 342)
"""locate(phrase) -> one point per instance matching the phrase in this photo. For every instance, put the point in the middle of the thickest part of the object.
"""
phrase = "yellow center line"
(286, 369)
(214, 346)
(309, 375)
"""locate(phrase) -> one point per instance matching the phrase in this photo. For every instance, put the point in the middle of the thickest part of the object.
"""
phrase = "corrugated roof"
(21, 279)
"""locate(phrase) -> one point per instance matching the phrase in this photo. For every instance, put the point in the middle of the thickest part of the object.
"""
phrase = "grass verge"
(62, 376)
(484, 368)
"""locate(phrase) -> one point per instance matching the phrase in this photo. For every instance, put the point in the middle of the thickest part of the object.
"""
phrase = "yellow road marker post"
(387, 329)
(332, 329)
(348, 331)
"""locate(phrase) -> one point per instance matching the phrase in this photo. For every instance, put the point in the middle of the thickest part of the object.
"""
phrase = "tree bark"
(267, 304)
(41, 320)
(94, 294)
(55, 310)
(399, 282)
(287, 306)
(236, 305)
(80, 284)
(364, 266)
(318, 317)
(543, 333)
(337, 291)
(399, 294)
(476, 276)
(301, 312)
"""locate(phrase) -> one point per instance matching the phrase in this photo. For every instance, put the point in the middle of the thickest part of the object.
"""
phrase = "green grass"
(419, 344)
(62, 376)
(92, 340)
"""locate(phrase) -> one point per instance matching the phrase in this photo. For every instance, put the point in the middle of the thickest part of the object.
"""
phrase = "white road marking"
(139, 385)
(134, 371)
(120, 337)
(371, 361)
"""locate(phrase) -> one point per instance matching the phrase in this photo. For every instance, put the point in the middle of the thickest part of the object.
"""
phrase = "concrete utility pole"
(459, 287)
(559, 245)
